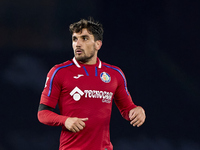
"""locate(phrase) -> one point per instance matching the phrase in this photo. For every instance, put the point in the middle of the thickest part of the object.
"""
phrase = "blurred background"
(156, 44)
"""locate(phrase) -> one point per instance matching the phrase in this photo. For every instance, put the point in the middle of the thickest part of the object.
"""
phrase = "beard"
(85, 58)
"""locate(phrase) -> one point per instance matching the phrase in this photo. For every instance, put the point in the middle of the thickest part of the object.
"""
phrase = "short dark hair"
(95, 28)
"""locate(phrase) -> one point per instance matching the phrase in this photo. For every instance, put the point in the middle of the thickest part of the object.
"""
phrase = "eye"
(74, 39)
(85, 38)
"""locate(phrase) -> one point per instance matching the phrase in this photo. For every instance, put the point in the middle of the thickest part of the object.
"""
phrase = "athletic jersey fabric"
(86, 91)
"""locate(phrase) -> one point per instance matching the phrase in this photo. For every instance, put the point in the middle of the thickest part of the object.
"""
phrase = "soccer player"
(84, 88)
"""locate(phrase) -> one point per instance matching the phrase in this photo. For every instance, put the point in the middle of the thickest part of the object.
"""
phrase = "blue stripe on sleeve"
(51, 81)
(121, 75)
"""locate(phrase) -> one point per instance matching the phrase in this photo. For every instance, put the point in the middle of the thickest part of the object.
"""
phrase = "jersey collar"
(99, 64)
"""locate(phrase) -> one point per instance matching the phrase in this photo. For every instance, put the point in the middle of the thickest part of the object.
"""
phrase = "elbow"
(40, 116)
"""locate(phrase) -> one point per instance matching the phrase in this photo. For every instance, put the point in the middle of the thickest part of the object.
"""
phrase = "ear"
(98, 44)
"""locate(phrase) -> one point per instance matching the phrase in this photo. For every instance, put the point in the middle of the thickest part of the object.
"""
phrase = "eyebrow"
(82, 36)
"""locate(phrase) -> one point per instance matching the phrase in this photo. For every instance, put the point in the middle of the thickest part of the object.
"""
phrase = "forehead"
(82, 32)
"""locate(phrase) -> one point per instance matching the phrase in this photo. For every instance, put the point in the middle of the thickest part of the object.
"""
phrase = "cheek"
(73, 45)
(89, 49)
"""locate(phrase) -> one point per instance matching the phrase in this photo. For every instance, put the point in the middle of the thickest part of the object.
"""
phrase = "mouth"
(79, 51)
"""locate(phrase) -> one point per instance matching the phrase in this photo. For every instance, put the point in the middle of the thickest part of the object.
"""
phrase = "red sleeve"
(122, 97)
(50, 118)
(51, 92)
(49, 97)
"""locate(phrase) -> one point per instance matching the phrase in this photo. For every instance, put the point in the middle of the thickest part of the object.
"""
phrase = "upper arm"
(52, 89)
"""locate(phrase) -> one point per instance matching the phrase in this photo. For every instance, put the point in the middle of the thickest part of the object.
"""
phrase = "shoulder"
(60, 66)
(63, 65)
(112, 67)
(116, 71)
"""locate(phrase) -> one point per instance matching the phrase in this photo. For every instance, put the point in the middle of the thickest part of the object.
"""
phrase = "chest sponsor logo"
(105, 96)
(76, 93)
(105, 77)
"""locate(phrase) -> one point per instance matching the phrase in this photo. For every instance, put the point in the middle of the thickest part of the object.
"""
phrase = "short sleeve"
(51, 92)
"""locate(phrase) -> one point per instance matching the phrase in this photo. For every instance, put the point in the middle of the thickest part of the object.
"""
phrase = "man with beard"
(84, 88)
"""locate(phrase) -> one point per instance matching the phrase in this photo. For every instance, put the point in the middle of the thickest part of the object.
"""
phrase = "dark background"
(156, 44)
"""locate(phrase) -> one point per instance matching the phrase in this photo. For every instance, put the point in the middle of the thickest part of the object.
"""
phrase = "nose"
(78, 43)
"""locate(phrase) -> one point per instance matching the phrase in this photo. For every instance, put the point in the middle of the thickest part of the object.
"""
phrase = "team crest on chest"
(105, 77)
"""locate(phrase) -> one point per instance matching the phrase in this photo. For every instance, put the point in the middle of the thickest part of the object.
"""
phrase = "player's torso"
(87, 90)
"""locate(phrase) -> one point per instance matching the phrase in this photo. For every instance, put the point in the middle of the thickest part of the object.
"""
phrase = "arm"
(48, 117)
(128, 109)
(122, 97)
(48, 102)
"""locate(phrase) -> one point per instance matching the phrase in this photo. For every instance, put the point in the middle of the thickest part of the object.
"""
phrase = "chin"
(79, 58)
